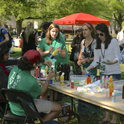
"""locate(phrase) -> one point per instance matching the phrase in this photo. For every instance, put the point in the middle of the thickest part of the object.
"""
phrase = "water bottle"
(53, 54)
(71, 72)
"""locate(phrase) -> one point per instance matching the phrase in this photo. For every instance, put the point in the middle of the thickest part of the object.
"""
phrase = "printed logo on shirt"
(14, 79)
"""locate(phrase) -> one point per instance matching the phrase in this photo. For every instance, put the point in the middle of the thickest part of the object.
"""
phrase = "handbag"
(72, 55)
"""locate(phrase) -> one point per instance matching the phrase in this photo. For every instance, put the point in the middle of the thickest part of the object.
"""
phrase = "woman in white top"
(107, 52)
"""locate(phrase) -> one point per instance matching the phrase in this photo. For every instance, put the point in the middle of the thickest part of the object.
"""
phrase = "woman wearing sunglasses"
(107, 52)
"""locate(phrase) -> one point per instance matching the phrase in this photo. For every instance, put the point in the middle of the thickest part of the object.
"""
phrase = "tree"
(21, 9)
(51, 9)
(114, 11)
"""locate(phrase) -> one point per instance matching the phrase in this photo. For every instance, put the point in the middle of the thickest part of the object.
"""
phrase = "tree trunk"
(19, 27)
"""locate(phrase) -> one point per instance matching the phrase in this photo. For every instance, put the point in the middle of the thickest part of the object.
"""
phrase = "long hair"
(103, 28)
(28, 29)
(91, 28)
(3, 51)
(48, 36)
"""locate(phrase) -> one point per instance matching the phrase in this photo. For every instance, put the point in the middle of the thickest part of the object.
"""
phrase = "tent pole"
(72, 31)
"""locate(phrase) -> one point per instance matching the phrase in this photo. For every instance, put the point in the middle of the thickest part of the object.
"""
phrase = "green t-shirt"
(60, 42)
(22, 80)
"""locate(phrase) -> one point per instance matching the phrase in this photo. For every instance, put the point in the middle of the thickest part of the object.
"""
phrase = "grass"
(84, 119)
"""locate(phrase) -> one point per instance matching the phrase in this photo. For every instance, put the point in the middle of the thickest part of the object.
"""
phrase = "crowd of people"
(91, 45)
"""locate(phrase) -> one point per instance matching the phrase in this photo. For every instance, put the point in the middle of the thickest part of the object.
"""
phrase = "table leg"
(72, 112)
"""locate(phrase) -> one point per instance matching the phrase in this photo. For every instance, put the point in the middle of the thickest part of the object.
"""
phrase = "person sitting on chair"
(20, 78)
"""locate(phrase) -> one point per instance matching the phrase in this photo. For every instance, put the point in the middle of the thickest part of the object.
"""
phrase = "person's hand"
(50, 75)
(79, 62)
(84, 61)
(59, 50)
(48, 63)
(50, 48)
(84, 72)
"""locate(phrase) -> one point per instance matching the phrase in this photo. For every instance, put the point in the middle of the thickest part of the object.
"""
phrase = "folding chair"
(32, 113)
(2, 107)
(11, 96)
(14, 95)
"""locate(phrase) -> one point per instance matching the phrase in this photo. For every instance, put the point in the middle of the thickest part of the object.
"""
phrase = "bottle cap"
(87, 73)
(113, 93)
(103, 77)
(71, 68)
(63, 73)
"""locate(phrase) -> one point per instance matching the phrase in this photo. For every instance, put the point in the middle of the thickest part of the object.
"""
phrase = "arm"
(3, 79)
(116, 53)
(45, 86)
(6, 38)
(94, 63)
(80, 56)
(45, 52)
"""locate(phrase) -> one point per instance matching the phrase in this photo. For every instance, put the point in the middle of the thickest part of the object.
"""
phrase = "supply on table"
(62, 79)
(111, 86)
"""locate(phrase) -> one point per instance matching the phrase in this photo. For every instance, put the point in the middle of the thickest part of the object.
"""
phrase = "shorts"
(42, 105)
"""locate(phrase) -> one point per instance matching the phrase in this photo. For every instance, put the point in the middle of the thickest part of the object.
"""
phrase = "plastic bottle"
(37, 72)
(46, 71)
(82, 67)
(88, 79)
(111, 86)
(103, 81)
(113, 97)
(106, 82)
(72, 84)
(62, 79)
(53, 54)
(107, 93)
(57, 76)
(71, 72)
(98, 75)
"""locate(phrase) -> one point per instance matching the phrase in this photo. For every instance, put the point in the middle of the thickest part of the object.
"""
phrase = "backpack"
(8, 43)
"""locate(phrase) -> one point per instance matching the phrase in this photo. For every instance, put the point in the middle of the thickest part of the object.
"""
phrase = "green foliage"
(48, 10)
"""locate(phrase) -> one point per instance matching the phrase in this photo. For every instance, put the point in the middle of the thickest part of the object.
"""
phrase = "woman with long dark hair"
(107, 51)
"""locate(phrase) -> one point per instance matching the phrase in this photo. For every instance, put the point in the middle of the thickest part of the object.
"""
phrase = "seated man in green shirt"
(20, 78)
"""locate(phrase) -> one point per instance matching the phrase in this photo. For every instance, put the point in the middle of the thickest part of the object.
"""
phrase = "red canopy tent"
(79, 19)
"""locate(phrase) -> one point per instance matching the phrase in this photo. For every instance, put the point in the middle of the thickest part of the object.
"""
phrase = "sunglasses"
(101, 34)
